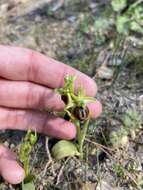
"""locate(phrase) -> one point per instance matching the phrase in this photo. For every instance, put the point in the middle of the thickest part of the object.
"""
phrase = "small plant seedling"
(131, 126)
(76, 111)
(24, 156)
(119, 170)
(131, 19)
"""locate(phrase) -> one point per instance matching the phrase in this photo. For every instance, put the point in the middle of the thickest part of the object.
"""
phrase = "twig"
(82, 137)
(61, 171)
(129, 175)
(49, 157)
(102, 147)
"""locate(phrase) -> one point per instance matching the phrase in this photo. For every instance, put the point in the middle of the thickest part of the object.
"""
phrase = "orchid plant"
(76, 111)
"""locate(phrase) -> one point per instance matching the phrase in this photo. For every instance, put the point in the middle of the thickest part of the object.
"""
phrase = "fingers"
(16, 94)
(42, 122)
(24, 64)
(35, 120)
(10, 170)
(95, 109)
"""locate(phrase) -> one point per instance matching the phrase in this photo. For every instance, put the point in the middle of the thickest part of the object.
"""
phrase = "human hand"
(27, 83)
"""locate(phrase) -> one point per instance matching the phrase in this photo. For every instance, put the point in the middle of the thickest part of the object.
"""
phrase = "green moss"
(119, 170)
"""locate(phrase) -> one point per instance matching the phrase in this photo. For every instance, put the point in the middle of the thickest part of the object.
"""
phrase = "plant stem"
(77, 124)
(81, 138)
(26, 167)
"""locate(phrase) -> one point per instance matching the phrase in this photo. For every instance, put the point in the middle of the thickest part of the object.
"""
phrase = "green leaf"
(122, 24)
(134, 26)
(118, 5)
(64, 149)
(28, 186)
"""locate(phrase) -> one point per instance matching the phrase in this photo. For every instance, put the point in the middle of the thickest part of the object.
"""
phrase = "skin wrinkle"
(61, 80)
(40, 102)
(32, 72)
(29, 119)
(7, 118)
(44, 126)
(16, 118)
(30, 97)
(60, 76)
(6, 62)
(13, 117)
(55, 130)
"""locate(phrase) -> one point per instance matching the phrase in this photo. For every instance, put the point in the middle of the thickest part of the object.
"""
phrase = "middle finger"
(27, 95)
(20, 94)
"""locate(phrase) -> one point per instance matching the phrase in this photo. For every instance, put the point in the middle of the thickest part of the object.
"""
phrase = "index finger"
(28, 65)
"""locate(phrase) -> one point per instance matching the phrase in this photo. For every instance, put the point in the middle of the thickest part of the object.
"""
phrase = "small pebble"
(6, 143)
(104, 72)
(71, 19)
(12, 146)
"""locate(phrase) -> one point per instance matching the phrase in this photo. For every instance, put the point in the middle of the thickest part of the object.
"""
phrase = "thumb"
(10, 170)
